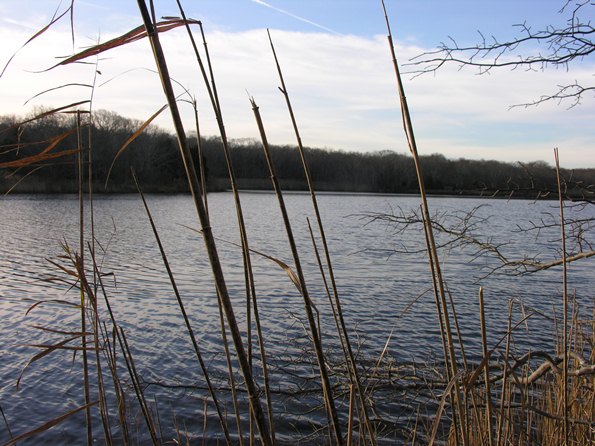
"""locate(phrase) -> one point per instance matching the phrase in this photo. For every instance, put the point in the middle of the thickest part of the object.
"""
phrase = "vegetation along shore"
(153, 155)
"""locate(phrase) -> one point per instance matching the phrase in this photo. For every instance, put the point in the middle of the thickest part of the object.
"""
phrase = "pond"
(382, 275)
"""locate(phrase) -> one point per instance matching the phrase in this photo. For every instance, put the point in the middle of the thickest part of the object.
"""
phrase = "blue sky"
(337, 67)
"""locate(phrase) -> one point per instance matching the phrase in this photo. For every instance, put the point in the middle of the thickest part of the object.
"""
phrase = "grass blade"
(49, 424)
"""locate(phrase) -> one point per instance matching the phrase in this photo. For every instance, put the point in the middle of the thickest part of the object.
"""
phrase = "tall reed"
(84, 302)
(189, 329)
(251, 298)
(336, 305)
(432, 251)
(316, 340)
(206, 228)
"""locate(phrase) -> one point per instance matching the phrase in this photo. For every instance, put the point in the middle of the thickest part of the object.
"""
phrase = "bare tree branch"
(551, 47)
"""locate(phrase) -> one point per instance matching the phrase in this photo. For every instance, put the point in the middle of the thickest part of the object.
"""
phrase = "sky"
(337, 67)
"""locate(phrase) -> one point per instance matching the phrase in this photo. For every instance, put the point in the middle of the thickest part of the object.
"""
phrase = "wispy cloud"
(20, 23)
(297, 17)
(342, 89)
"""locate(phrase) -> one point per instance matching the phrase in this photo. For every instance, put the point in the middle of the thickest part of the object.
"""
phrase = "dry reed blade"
(326, 387)
(291, 274)
(336, 308)
(189, 329)
(133, 35)
(54, 111)
(37, 158)
(32, 171)
(53, 20)
(70, 84)
(64, 269)
(48, 425)
(85, 288)
(131, 139)
(51, 330)
(204, 220)
(55, 301)
(47, 350)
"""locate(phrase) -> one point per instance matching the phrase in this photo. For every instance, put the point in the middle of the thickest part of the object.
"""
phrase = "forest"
(49, 145)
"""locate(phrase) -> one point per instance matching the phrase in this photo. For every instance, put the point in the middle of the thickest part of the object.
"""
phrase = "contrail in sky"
(297, 17)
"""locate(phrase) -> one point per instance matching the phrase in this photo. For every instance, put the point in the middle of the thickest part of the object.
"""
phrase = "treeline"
(39, 156)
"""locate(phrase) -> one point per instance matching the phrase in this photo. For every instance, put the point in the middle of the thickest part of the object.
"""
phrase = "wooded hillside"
(45, 144)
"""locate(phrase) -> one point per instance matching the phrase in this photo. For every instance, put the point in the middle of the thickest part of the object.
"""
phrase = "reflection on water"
(381, 293)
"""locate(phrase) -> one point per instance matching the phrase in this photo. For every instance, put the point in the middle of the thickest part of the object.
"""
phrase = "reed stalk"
(336, 308)
(128, 359)
(103, 409)
(189, 329)
(92, 298)
(408, 127)
(80, 175)
(137, 386)
(206, 228)
(204, 194)
(350, 419)
(201, 160)
(565, 297)
(6, 423)
(118, 390)
(326, 387)
(205, 418)
(484, 343)
(211, 86)
(230, 375)
(445, 350)
(503, 395)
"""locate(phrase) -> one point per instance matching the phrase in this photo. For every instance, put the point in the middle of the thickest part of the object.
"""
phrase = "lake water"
(381, 291)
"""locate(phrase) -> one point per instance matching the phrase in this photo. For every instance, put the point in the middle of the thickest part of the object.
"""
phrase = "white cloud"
(342, 88)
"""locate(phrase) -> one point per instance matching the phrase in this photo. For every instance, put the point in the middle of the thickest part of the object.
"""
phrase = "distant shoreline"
(433, 194)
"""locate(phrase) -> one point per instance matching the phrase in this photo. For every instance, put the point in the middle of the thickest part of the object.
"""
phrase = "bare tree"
(552, 47)
(467, 231)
